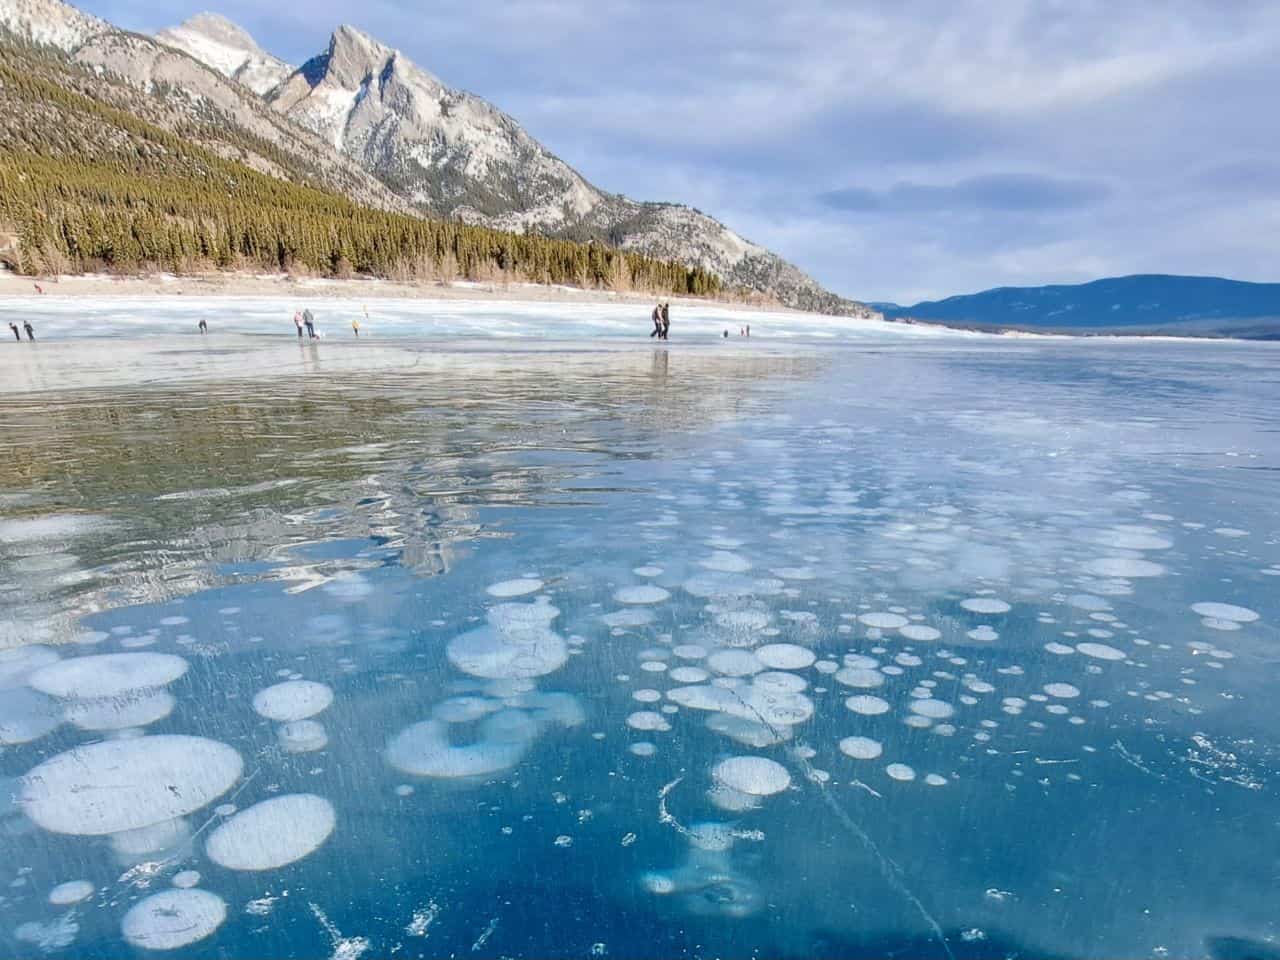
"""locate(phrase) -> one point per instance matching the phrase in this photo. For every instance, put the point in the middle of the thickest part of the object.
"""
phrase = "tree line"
(88, 186)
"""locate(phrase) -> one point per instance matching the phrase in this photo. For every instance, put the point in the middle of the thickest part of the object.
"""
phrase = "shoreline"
(224, 285)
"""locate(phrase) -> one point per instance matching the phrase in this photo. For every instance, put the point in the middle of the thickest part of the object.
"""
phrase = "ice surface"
(338, 514)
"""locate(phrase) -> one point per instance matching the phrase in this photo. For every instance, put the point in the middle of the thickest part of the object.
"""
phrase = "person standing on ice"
(204, 327)
(31, 331)
(657, 321)
(16, 335)
(666, 321)
(310, 321)
(297, 322)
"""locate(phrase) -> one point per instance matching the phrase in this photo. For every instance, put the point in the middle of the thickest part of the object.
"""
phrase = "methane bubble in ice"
(935, 780)
(861, 748)
(1123, 567)
(18, 663)
(724, 562)
(900, 771)
(644, 593)
(508, 654)
(985, 605)
(292, 700)
(867, 705)
(983, 634)
(272, 833)
(648, 720)
(1063, 691)
(753, 776)
(25, 716)
(514, 588)
(785, 656)
(748, 732)
(933, 709)
(883, 621)
(145, 843)
(186, 879)
(107, 674)
(119, 785)
(1100, 651)
(734, 663)
(173, 918)
(73, 891)
(119, 713)
(920, 632)
(1225, 611)
(426, 750)
(302, 736)
(860, 677)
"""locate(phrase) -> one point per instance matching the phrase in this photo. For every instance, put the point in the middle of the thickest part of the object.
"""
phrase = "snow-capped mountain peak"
(226, 47)
(50, 22)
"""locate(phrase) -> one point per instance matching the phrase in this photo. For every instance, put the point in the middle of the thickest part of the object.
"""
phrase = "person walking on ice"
(297, 322)
(204, 327)
(16, 335)
(31, 331)
(310, 321)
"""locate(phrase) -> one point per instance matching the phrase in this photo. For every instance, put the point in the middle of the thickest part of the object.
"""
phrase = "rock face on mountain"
(217, 42)
(453, 154)
(362, 119)
(184, 95)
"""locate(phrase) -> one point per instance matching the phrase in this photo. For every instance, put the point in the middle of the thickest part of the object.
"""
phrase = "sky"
(898, 152)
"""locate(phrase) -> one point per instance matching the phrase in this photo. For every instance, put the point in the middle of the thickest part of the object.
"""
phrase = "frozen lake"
(843, 641)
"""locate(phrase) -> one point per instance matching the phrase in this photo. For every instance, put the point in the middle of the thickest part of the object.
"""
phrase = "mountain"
(184, 96)
(1142, 303)
(454, 155)
(217, 42)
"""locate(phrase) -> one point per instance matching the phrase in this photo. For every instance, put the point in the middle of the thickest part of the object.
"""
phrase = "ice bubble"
(1128, 537)
(73, 891)
(1225, 611)
(778, 682)
(648, 721)
(862, 677)
(18, 663)
(867, 705)
(25, 716)
(173, 918)
(649, 570)
(186, 879)
(1232, 532)
(724, 562)
(688, 674)
(979, 686)
(1217, 623)
(515, 617)
(748, 732)
(145, 842)
(514, 588)
(302, 736)
(900, 771)
(653, 666)
(272, 833)
(883, 621)
(935, 780)
(933, 709)
(920, 632)
(707, 585)
(1064, 691)
(785, 656)
(292, 700)
(49, 937)
(646, 696)
(497, 654)
(983, 634)
(633, 617)
(119, 713)
(734, 663)
(424, 749)
(985, 605)
(689, 651)
(861, 748)
(658, 883)
(794, 573)
(117, 785)
(1061, 649)
(711, 836)
(107, 674)
(1100, 651)
(1123, 567)
(643, 748)
(753, 776)
(644, 593)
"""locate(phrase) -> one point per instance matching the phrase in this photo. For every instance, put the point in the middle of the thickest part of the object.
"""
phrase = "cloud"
(993, 192)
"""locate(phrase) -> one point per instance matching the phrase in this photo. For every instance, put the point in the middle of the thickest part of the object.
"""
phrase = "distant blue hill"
(1194, 306)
